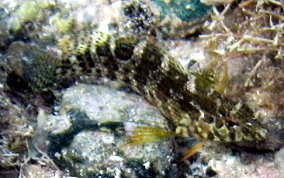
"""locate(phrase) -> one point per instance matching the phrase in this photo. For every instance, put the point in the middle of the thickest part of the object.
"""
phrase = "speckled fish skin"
(148, 70)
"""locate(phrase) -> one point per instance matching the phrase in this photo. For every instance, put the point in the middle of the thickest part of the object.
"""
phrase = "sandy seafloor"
(83, 131)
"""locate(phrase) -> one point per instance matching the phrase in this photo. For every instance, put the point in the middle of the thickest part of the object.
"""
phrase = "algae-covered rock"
(95, 139)
(186, 10)
(139, 17)
(34, 65)
(180, 18)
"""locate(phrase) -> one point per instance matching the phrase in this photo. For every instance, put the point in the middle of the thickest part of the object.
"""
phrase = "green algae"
(186, 10)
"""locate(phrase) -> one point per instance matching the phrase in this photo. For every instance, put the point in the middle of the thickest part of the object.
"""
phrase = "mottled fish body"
(151, 72)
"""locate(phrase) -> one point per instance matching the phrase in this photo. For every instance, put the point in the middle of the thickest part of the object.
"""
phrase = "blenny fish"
(148, 70)
(145, 68)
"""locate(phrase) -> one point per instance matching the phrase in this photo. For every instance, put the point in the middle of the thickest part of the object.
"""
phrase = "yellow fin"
(147, 134)
(191, 151)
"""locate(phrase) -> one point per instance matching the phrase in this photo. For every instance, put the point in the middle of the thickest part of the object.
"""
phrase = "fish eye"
(124, 48)
(124, 52)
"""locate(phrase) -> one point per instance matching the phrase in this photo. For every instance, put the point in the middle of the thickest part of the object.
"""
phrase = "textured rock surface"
(185, 10)
(97, 121)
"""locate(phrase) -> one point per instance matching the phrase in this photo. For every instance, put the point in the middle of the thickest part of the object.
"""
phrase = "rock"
(96, 142)
(180, 18)
(279, 159)
(139, 18)
(187, 11)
